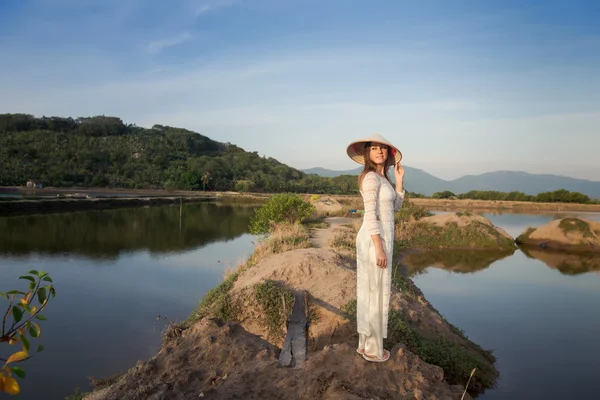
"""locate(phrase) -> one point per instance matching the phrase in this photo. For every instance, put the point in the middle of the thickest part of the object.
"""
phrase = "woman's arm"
(370, 194)
(399, 200)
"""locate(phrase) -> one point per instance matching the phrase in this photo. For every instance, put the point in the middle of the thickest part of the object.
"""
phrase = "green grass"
(318, 223)
(524, 237)
(465, 213)
(411, 211)
(349, 310)
(575, 225)
(475, 235)
(403, 284)
(272, 297)
(217, 302)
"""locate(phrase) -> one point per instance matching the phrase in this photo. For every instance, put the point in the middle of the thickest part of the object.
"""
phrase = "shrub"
(284, 207)
(18, 322)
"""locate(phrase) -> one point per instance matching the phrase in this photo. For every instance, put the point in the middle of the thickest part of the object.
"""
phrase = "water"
(539, 315)
(115, 272)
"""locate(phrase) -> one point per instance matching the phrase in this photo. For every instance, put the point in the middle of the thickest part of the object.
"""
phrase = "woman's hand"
(399, 176)
(380, 257)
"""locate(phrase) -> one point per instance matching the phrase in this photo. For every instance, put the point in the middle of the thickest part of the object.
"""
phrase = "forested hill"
(102, 151)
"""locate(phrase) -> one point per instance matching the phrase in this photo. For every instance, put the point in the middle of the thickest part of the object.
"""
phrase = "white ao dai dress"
(373, 289)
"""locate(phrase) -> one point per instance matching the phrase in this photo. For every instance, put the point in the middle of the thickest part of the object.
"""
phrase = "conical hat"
(355, 149)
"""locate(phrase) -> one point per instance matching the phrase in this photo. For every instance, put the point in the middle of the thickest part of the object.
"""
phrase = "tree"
(446, 194)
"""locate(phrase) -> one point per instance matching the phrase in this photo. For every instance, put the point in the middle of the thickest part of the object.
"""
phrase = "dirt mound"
(453, 231)
(227, 362)
(326, 205)
(330, 279)
(576, 234)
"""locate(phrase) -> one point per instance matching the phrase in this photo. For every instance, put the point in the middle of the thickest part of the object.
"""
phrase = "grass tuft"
(349, 310)
(284, 237)
(217, 302)
(277, 305)
(316, 223)
(343, 239)
(524, 237)
(575, 225)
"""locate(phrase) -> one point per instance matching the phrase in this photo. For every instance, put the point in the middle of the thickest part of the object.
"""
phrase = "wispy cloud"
(159, 45)
(203, 9)
(211, 6)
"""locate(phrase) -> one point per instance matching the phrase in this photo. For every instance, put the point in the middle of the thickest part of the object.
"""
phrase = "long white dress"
(373, 288)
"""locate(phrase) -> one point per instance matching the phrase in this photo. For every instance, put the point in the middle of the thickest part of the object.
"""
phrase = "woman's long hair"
(371, 166)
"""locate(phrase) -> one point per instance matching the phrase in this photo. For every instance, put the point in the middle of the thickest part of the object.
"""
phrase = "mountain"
(416, 180)
(103, 152)
(419, 181)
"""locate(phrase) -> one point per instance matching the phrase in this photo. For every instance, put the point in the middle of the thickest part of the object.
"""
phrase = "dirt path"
(320, 236)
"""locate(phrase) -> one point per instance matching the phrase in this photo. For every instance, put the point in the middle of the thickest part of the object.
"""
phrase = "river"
(116, 271)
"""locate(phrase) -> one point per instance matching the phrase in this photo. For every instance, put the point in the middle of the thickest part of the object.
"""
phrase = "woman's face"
(378, 153)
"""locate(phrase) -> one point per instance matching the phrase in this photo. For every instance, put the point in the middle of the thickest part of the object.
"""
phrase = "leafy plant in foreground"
(280, 208)
(18, 322)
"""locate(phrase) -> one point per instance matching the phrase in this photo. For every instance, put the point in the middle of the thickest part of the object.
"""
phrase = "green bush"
(280, 208)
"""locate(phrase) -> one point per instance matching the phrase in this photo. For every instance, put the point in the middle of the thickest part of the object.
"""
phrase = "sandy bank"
(569, 234)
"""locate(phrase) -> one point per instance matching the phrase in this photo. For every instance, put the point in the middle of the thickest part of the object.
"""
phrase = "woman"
(375, 240)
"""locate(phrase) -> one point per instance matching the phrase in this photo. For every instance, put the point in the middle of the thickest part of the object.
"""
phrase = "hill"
(419, 181)
(416, 180)
(104, 152)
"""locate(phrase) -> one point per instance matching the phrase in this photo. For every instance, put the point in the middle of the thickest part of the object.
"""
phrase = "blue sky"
(461, 87)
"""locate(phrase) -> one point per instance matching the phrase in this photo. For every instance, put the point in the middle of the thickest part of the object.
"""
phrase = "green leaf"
(40, 348)
(34, 272)
(18, 372)
(17, 313)
(30, 278)
(34, 331)
(31, 285)
(26, 308)
(40, 317)
(4, 295)
(14, 292)
(41, 295)
(47, 279)
(25, 342)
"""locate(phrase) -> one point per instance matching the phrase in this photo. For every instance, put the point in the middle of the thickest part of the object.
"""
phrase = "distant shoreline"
(171, 197)
(467, 204)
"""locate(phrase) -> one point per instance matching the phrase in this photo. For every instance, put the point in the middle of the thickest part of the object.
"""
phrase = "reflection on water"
(567, 263)
(469, 261)
(459, 261)
(108, 234)
(115, 272)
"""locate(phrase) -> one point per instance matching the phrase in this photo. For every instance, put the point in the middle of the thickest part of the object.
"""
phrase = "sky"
(460, 87)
